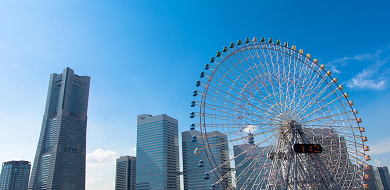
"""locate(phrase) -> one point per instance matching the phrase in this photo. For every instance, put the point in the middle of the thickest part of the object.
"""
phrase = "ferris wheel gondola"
(289, 124)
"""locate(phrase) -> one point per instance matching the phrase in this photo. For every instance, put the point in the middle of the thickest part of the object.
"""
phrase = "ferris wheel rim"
(202, 126)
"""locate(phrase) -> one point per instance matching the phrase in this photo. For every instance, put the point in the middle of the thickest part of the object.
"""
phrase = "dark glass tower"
(60, 157)
(125, 173)
(382, 177)
(157, 153)
(193, 170)
(14, 175)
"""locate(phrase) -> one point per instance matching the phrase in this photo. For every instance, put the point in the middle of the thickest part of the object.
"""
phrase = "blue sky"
(145, 56)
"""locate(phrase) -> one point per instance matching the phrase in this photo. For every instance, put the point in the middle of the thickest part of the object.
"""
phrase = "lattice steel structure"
(267, 97)
(60, 157)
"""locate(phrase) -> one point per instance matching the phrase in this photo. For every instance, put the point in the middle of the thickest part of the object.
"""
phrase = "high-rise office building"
(14, 175)
(382, 177)
(60, 157)
(125, 173)
(371, 181)
(157, 153)
(195, 166)
(251, 168)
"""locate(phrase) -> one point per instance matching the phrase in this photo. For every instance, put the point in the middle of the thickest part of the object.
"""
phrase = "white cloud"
(134, 151)
(101, 170)
(380, 148)
(365, 80)
(373, 77)
(16, 66)
(250, 129)
(377, 162)
(344, 61)
(381, 162)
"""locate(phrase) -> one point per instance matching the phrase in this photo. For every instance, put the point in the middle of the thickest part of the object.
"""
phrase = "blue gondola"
(201, 74)
(218, 53)
(193, 103)
(212, 60)
(201, 163)
(206, 176)
(195, 93)
(207, 67)
(239, 42)
(212, 187)
(192, 115)
(197, 83)
(192, 126)
(193, 139)
(225, 49)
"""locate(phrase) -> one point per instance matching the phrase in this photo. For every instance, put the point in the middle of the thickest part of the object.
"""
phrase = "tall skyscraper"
(14, 175)
(157, 152)
(251, 170)
(382, 177)
(60, 157)
(193, 175)
(125, 173)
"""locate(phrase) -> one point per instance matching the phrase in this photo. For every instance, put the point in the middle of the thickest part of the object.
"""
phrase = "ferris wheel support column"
(304, 139)
(296, 172)
(293, 140)
(296, 128)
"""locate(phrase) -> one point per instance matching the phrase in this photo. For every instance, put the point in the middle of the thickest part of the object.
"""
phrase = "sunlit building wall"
(125, 173)
(157, 153)
(193, 175)
(60, 157)
(382, 177)
(14, 175)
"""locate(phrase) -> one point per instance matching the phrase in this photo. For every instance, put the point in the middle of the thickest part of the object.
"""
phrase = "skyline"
(144, 57)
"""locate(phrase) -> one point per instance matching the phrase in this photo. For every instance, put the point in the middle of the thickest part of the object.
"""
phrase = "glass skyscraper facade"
(193, 175)
(60, 157)
(251, 158)
(157, 153)
(14, 175)
(382, 177)
(125, 173)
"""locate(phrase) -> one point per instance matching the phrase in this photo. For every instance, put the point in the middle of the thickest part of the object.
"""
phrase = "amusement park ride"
(293, 120)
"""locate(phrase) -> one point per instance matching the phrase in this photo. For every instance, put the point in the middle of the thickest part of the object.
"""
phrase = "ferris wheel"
(285, 121)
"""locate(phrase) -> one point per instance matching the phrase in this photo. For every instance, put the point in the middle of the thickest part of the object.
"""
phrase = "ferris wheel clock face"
(285, 121)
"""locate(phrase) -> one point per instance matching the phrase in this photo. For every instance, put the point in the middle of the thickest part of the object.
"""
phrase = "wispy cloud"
(372, 77)
(366, 80)
(344, 61)
(101, 170)
(380, 148)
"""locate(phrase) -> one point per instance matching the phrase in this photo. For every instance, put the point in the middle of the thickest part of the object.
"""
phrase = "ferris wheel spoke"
(272, 76)
(303, 94)
(269, 77)
(250, 93)
(226, 116)
(234, 112)
(238, 99)
(265, 150)
(244, 152)
(255, 92)
(256, 75)
(314, 84)
(322, 107)
(325, 117)
(244, 89)
(315, 101)
(246, 100)
(245, 137)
